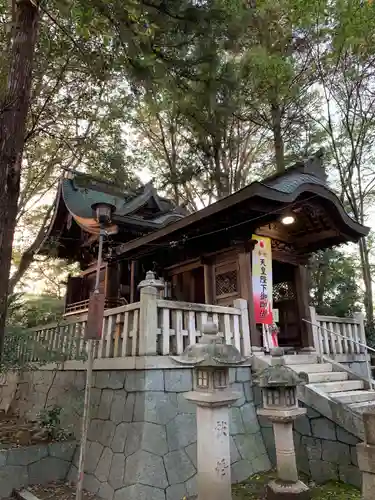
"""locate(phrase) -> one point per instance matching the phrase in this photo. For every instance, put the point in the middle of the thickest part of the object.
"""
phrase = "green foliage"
(254, 489)
(29, 311)
(50, 420)
(23, 350)
(334, 283)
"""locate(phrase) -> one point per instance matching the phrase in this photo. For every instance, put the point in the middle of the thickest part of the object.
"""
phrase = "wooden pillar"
(132, 281)
(208, 282)
(246, 292)
(302, 295)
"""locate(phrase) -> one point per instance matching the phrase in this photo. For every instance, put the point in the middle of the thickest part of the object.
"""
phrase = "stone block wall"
(325, 451)
(37, 464)
(142, 435)
(359, 367)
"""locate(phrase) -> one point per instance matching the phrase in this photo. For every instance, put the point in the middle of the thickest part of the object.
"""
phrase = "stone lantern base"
(277, 490)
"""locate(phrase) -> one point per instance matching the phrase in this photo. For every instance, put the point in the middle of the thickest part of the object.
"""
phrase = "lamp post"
(211, 359)
(280, 405)
(103, 214)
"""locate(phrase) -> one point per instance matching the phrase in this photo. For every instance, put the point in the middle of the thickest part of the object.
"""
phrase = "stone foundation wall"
(359, 367)
(37, 464)
(142, 435)
(324, 450)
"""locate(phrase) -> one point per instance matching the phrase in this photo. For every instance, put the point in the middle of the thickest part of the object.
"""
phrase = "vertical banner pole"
(95, 315)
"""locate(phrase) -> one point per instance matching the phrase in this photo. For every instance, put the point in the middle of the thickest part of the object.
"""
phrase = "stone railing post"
(245, 328)
(148, 321)
(362, 334)
(316, 334)
(366, 457)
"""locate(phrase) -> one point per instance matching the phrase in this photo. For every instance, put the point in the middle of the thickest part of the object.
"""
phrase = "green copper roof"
(79, 199)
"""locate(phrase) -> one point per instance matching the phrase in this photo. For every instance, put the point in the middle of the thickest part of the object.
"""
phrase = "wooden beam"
(274, 233)
(304, 241)
(188, 265)
(284, 257)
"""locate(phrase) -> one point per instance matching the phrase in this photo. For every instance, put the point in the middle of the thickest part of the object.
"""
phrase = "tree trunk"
(221, 177)
(14, 110)
(28, 255)
(366, 273)
(278, 140)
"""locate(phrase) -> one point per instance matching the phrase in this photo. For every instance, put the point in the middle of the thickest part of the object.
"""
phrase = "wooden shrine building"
(204, 257)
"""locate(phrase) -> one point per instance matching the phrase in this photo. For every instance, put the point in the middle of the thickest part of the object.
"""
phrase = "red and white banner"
(262, 280)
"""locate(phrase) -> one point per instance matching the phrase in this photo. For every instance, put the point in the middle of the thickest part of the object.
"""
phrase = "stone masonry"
(324, 450)
(37, 464)
(142, 435)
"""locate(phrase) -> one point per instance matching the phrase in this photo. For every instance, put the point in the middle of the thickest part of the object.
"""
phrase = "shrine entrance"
(285, 301)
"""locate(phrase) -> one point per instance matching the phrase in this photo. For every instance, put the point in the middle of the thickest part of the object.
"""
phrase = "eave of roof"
(255, 189)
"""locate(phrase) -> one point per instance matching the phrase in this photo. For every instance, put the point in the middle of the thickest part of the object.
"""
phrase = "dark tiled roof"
(308, 171)
(289, 182)
(79, 198)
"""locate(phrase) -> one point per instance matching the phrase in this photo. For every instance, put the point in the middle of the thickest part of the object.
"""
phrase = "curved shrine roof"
(303, 186)
(142, 217)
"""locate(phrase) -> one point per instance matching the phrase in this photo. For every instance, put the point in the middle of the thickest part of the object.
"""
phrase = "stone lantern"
(280, 405)
(211, 359)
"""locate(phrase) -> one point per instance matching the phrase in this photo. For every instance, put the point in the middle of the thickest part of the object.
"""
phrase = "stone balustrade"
(150, 327)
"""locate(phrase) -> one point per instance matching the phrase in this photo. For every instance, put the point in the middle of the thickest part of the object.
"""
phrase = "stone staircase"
(335, 391)
(344, 387)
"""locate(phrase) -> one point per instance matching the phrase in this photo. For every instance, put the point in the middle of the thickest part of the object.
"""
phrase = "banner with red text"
(262, 280)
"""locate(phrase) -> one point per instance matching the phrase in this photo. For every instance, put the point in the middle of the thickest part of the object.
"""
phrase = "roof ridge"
(311, 165)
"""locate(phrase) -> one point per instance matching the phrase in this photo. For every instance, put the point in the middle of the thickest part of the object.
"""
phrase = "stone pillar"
(211, 359)
(280, 405)
(213, 445)
(287, 486)
(366, 457)
(285, 454)
(149, 292)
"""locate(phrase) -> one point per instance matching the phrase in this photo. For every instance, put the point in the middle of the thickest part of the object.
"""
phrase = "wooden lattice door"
(285, 300)
(226, 286)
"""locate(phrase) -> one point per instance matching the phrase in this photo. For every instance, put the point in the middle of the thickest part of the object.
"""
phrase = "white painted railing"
(150, 327)
(180, 324)
(65, 340)
(333, 335)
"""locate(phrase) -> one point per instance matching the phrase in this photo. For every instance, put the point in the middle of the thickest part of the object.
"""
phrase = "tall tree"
(197, 156)
(14, 103)
(277, 75)
(75, 122)
(334, 286)
(344, 65)
(210, 124)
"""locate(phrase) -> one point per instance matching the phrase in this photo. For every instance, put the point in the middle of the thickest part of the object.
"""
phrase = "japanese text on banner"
(262, 280)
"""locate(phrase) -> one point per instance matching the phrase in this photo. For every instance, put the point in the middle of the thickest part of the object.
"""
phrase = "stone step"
(345, 385)
(348, 397)
(312, 368)
(327, 377)
(361, 407)
(300, 359)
